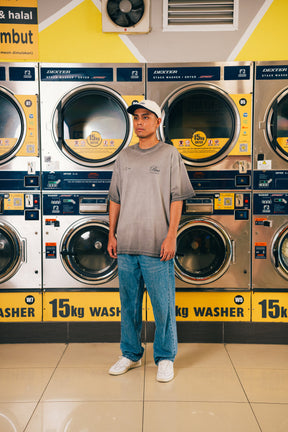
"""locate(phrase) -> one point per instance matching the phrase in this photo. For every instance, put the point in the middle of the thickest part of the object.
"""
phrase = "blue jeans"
(158, 276)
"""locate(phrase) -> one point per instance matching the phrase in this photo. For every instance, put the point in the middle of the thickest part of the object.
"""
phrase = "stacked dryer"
(207, 116)
(84, 127)
(20, 226)
(270, 163)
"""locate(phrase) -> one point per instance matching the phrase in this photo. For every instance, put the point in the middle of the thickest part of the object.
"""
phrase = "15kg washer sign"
(270, 307)
(77, 306)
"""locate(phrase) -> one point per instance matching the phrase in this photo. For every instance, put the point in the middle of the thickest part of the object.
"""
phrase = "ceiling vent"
(126, 16)
(200, 15)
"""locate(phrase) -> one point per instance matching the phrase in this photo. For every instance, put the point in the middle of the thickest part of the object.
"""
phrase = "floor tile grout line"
(47, 384)
(250, 405)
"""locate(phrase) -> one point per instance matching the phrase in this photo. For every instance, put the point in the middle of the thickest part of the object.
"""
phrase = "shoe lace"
(164, 365)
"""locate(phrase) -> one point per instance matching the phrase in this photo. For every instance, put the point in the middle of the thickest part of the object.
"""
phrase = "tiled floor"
(66, 388)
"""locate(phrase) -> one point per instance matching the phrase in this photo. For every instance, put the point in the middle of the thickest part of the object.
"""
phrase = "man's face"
(145, 123)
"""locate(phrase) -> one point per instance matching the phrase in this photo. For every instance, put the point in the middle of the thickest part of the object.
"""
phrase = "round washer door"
(11, 252)
(202, 122)
(84, 252)
(12, 126)
(204, 251)
(280, 251)
(91, 125)
(277, 125)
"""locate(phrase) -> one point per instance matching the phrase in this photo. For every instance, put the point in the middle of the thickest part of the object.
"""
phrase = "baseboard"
(201, 332)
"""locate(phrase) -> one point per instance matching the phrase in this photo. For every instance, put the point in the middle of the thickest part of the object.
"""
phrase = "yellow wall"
(269, 39)
(77, 37)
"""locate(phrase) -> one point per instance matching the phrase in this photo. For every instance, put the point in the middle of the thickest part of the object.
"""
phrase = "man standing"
(148, 186)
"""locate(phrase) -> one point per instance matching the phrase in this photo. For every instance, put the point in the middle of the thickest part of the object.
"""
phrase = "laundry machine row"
(207, 114)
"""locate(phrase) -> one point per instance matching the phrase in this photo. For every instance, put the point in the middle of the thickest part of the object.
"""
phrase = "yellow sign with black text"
(20, 306)
(83, 306)
(270, 307)
(19, 30)
(209, 306)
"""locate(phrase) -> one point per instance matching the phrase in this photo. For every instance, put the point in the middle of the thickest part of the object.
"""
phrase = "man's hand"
(168, 249)
(112, 246)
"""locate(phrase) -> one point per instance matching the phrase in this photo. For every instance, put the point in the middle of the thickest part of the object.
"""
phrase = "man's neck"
(146, 143)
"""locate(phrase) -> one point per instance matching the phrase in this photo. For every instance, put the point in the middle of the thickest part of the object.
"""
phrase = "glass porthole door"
(204, 252)
(11, 251)
(280, 252)
(84, 253)
(202, 122)
(277, 125)
(12, 126)
(91, 126)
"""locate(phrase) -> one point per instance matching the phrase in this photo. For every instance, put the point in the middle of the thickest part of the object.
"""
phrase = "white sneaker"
(165, 371)
(123, 365)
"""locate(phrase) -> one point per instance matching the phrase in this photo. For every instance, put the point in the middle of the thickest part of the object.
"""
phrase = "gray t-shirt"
(144, 183)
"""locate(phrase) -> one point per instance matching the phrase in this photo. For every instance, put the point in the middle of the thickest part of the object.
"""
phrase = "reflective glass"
(284, 252)
(11, 126)
(201, 125)
(87, 252)
(8, 253)
(201, 252)
(282, 118)
(94, 126)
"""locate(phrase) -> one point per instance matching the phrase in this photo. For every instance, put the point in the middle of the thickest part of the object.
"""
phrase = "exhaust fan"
(125, 16)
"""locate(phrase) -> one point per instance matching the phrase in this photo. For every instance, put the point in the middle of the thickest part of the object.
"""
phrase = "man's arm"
(114, 210)
(168, 248)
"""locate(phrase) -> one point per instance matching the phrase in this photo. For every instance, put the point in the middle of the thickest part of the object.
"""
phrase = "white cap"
(147, 104)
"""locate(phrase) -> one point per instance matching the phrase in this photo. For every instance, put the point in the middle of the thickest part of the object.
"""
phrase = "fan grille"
(125, 13)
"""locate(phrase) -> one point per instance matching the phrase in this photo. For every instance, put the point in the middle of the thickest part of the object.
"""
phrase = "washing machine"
(207, 116)
(19, 143)
(270, 161)
(270, 240)
(213, 242)
(20, 241)
(75, 238)
(84, 122)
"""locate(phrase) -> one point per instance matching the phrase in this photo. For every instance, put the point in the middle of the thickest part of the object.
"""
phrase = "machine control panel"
(19, 180)
(271, 180)
(270, 204)
(18, 203)
(220, 203)
(74, 204)
(220, 180)
(76, 180)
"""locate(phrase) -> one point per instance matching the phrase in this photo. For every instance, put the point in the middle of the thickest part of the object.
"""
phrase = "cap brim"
(133, 107)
